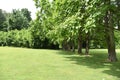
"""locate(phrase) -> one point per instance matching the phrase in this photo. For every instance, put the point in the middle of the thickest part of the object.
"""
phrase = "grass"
(35, 64)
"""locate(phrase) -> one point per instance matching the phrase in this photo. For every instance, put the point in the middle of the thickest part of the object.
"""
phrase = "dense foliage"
(17, 19)
(67, 22)
(16, 38)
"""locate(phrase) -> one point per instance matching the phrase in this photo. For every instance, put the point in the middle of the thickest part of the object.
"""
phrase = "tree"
(19, 19)
(2, 19)
(104, 16)
(26, 13)
(109, 30)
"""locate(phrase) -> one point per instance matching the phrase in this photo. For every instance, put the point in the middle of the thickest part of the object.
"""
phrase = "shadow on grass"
(95, 61)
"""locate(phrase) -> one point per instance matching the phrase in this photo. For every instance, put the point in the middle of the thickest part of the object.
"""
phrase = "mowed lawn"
(41, 64)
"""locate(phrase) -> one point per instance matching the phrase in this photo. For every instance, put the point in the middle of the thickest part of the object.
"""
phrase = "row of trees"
(17, 29)
(17, 19)
(71, 22)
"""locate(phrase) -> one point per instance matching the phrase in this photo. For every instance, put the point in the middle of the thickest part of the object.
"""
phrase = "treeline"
(17, 19)
(17, 29)
(24, 38)
(80, 24)
(14, 28)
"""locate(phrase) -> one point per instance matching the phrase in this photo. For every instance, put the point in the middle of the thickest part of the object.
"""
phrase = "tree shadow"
(95, 61)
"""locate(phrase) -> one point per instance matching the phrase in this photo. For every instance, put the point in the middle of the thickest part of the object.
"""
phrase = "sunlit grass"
(41, 64)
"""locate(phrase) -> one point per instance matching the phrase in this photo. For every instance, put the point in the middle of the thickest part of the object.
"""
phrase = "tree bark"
(109, 30)
(87, 44)
(80, 41)
(72, 45)
(65, 45)
(111, 45)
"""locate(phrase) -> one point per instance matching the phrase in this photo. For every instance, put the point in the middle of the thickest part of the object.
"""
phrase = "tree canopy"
(81, 21)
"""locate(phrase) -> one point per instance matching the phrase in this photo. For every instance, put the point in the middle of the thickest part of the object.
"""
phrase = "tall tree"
(19, 19)
(109, 30)
(2, 19)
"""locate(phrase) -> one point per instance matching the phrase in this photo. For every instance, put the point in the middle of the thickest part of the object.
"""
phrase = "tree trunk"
(72, 45)
(80, 42)
(68, 46)
(111, 46)
(109, 30)
(87, 44)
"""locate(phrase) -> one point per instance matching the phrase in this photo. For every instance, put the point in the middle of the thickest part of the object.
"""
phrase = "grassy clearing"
(34, 64)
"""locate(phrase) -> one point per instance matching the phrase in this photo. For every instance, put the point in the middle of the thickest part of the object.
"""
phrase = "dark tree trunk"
(111, 46)
(79, 46)
(72, 45)
(80, 42)
(68, 46)
(109, 30)
(87, 43)
(65, 45)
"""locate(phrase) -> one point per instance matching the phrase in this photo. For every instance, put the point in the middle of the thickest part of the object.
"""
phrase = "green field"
(41, 64)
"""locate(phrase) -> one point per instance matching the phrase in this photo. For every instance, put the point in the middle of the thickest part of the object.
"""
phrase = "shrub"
(16, 38)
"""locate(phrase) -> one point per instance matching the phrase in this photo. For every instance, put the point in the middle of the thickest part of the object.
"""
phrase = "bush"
(25, 38)
(16, 38)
